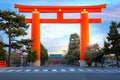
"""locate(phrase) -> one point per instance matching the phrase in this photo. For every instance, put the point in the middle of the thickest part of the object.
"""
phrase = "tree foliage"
(44, 55)
(112, 45)
(2, 52)
(72, 57)
(31, 57)
(13, 25)
(93, 54)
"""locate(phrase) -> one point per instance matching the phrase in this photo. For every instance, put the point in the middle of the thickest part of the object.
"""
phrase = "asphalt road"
(59, 73)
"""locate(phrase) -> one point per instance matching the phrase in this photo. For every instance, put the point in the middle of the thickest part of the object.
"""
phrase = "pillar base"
(82, 63)
(37, 64)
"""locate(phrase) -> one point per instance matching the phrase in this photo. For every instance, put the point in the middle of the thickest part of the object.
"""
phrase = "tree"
(31, 56)
(14, 26)
(93, 54)
(113, 41)
(2, 52)
(87, 56)
(73, 43)
(96, 56)
(72, 57)
(44, 55)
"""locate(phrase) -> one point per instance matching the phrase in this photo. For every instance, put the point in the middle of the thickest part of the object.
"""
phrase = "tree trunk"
(117, 60)
(9, 52)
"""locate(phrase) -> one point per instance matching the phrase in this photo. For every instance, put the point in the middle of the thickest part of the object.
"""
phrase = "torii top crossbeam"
(60, 10)
(65, 9)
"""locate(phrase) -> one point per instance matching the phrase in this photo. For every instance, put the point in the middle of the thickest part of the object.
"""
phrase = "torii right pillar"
(84, 35)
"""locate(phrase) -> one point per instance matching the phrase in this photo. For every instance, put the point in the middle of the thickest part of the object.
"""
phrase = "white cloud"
(98, 38)
(51, 31)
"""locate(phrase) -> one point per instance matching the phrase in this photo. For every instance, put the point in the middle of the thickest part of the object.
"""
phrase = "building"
(55, 59)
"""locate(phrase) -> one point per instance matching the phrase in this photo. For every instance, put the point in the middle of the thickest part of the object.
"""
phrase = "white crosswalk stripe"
(63, 70)
(45, 70)
(98, 70)
(36, 70)
(107, 70)
(54, 70)
(72, 70)
(116, 70)
(19, 70)
(81, 70)
(89, 70)
(28, 70)
(10, 70)
(2, 70)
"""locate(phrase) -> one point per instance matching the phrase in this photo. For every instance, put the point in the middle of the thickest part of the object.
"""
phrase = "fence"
(2, 63)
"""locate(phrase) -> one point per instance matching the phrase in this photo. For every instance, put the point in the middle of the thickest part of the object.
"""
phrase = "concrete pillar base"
(37, 64)
(82, 63)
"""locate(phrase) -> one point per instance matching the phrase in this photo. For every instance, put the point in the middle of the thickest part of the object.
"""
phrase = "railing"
(2, 63)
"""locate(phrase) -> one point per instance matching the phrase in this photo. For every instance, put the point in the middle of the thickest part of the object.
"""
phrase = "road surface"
(59, 73)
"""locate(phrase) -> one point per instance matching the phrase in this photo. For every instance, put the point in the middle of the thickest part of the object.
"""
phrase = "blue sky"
(55, 37)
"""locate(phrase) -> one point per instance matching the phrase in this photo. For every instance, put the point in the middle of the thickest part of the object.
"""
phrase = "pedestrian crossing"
(70, 70)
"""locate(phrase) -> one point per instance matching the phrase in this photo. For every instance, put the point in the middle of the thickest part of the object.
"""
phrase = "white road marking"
(28, 70)
(89, 70)
(45, 70)
(72, 70)
(98, 70)
(19, 70)
(107, 70)
(10, 71)
(80, 70)
(54, 70)
(36, 70)
(63, 70)
(2, 70)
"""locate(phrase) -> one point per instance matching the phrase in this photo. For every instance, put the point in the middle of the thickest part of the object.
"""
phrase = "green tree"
(113, 41)
(44, 55)
(14, 26)
(72, 57)
(2, 52)
(73, 43)
(87, 56)
(31, 56)
(93, 54)
(96, 56)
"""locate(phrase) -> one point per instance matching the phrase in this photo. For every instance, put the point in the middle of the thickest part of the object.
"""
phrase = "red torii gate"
(84, 21)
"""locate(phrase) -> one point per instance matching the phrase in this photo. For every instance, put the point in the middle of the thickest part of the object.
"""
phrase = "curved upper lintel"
(54, 9)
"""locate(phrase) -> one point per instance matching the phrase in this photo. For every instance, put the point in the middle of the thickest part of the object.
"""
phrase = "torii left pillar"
(36, 34)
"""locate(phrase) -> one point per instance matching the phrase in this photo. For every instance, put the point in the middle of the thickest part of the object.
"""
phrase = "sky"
(55, 37)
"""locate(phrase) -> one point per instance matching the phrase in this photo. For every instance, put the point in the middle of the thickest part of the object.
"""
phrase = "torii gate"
(84, 21)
